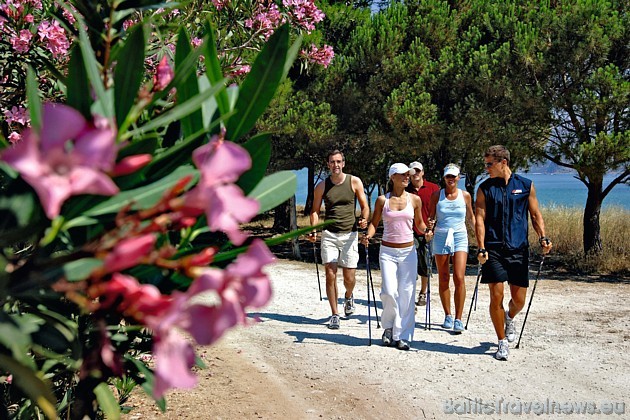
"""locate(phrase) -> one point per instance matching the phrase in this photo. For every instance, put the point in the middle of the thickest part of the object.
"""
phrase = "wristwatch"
(543, 239)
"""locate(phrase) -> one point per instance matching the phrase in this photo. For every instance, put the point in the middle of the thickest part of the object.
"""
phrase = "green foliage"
(51, 341)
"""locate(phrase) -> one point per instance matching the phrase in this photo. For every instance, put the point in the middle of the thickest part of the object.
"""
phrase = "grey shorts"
(340, 248)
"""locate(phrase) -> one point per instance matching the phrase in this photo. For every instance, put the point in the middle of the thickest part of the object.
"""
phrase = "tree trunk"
(282, 217)
(311, 189)
(295, 244)
(592, 235)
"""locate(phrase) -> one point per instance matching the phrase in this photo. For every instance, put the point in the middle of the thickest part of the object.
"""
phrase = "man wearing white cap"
(398, 258)
(423, 189)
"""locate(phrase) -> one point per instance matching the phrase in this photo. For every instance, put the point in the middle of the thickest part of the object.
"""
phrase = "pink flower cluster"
(20, 27)
(69, 157)
(303, 13)
(73, 156)
(16, 116)
(221, 163)
(322, 56)
(216, 300)
(220, 4)
(54, 37)
(266, 18)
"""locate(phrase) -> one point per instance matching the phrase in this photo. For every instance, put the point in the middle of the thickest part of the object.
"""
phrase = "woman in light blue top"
(450, 207)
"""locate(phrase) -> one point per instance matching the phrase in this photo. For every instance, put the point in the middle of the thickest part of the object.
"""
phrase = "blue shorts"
(439, 246)
(506, 265)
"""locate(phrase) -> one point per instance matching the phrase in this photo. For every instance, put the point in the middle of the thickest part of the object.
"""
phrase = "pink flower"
(131, 164)
(14, 137)
(219, 4)
(22, 42)
(163, 75)
(196, 42)
(55, 37)
(322, 56)
(221, 163)
(238, 71)
(69, 159)
(242, 284)
(129, 252)
(17, 115)
(174, 357)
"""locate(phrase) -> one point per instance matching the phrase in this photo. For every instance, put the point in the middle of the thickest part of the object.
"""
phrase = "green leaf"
(36, 389)
(188, 87)
(209, 107)
(16, 340)
(233, 253)
(81, 269)
(260, 84)
(91, 67)
(143, 197)
(34, 101)
(259, 148)
(147, 385)
(292, 55)
(214, 72)
(107, 401)
(128, 73)
(274, 190)
(177, 113)
(78, 84)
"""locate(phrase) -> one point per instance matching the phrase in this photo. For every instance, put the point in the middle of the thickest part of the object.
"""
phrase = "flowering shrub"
(121, 232)
(28, 34)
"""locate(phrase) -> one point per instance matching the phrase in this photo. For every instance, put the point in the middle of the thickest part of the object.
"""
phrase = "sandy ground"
(573, 360)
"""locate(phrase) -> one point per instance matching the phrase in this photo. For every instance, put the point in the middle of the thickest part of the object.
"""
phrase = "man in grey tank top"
(339, 240)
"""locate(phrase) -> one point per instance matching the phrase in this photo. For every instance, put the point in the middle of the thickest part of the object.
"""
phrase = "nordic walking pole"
(371, 284)
(542, 260)
(474, 296)
(367, 266)
(427, 309)
(319, 283)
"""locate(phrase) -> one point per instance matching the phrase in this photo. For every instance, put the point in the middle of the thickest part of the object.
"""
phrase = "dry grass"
(564, 225)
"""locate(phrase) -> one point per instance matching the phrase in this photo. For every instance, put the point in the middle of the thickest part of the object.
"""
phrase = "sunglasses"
(490, 164)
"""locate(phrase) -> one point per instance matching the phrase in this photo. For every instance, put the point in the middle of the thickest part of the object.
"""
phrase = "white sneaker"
(504, 350)
(348, 306)
(333, 324)
(510, 330)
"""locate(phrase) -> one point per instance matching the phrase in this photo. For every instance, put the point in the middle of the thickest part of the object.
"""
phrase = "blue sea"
(553, 190)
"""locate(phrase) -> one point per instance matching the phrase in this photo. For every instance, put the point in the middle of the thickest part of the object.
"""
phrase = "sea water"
(552, 190)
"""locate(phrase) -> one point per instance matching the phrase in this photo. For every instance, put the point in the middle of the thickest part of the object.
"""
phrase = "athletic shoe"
(402, 345)
(387, 337)
(510, 330)
(458, 327)
(422, 300)
(333, 324)
(504, 350)
(348, 306)
(448, 322)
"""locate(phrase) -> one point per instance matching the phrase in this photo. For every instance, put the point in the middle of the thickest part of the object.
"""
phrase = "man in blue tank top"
(501, 209)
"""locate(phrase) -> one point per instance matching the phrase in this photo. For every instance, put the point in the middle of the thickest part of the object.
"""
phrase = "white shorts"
(340, 248)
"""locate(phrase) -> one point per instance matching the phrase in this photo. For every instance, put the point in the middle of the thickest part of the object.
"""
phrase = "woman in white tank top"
(450, 207)
(398, 258)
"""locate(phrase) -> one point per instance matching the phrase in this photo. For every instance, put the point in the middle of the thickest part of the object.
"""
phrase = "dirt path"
(575, 349)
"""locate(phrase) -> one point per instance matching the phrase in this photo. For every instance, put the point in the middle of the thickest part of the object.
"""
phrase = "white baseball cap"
(451, 169)
(416, 165)
(400, 168)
